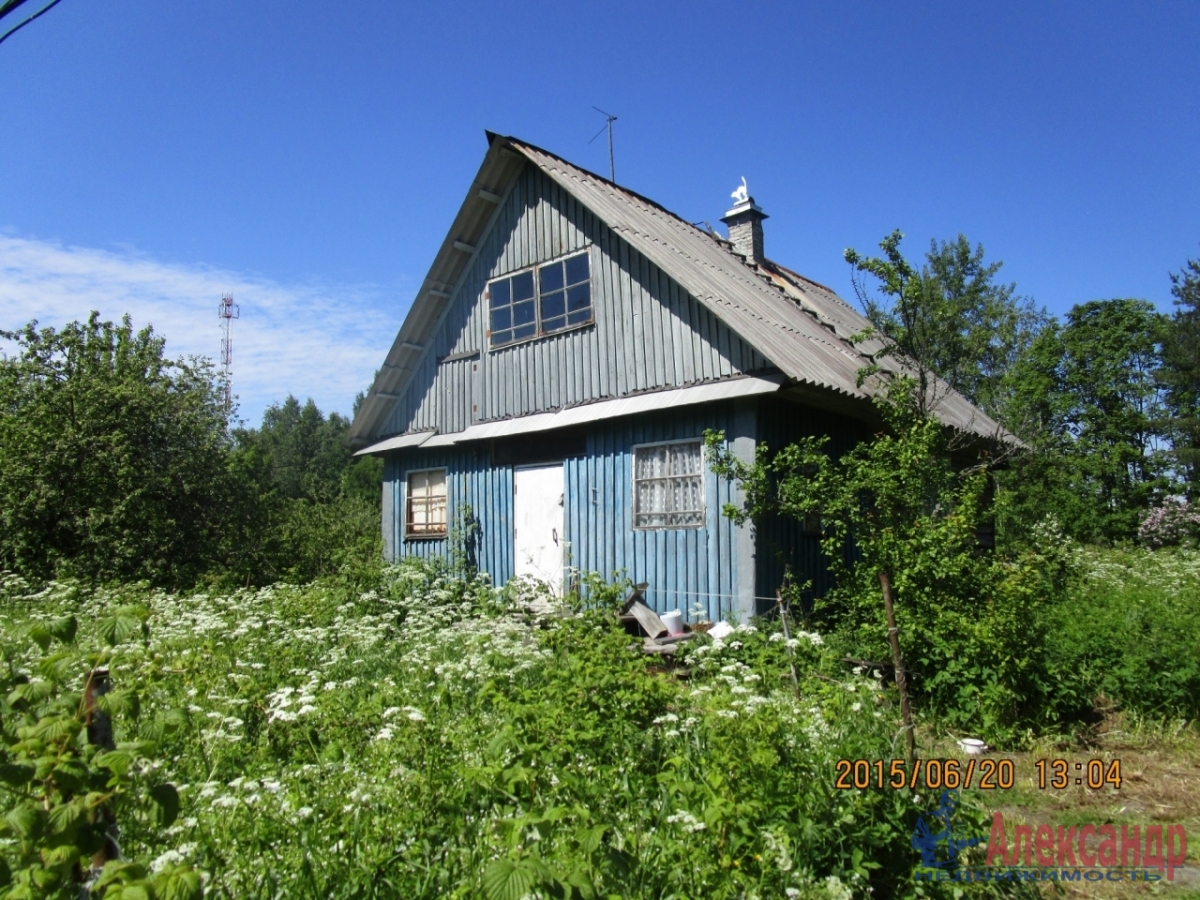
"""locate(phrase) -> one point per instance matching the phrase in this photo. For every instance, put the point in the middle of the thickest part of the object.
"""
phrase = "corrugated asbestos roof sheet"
(802, 327)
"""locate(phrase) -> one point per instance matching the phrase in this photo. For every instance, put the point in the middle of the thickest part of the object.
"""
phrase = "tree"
(1180, 375)
(113, 459)
(307, 455)
(899, 524)
(322, 505)
(950, 319)
(1090, 402)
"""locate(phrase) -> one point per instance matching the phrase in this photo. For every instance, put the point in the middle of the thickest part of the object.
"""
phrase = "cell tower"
(228, 311)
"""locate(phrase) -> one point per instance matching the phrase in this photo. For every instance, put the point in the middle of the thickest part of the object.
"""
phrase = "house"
(558, 368)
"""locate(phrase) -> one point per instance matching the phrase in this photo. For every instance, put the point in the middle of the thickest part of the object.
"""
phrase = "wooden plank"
(646, 617)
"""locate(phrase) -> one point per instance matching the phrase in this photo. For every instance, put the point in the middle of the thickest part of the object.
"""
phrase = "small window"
(425, 515)
(668, 485)
(540, 301)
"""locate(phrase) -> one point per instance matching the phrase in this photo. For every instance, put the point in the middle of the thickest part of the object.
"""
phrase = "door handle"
(554, 532)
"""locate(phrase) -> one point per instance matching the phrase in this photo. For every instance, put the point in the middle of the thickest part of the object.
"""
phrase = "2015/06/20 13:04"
(953, 774)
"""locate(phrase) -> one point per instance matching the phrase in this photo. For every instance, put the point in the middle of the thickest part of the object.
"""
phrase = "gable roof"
(801, 327)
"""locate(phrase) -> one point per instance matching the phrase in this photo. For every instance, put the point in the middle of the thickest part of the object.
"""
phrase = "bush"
(1173, 524)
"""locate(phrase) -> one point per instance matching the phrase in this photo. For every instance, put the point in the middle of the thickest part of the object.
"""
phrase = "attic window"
(540, 301)
(668, 485)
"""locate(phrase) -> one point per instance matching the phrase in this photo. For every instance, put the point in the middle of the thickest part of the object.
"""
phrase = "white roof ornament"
(741, 195)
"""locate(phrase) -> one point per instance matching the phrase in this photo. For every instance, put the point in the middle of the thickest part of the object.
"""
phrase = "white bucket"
(674, 621)
(972, 746)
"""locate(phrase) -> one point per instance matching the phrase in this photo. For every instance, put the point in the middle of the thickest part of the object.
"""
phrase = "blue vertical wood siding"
(685, 567)
(648, 332)
(472, 483)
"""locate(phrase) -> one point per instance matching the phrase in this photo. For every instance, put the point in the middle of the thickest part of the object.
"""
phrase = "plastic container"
(972, 746)
(674, 621)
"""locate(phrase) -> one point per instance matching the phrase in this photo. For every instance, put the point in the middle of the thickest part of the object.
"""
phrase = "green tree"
(322, 505)
(1089, 400)
(1180, 375)
(950, 319)
(113, 458)
(900, 522)
(307, 456)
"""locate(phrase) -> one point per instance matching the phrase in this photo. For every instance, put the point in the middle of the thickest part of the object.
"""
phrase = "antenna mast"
(227, 311)
(612, 166)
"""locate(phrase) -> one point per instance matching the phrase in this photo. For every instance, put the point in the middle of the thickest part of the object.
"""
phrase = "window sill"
(424, 537)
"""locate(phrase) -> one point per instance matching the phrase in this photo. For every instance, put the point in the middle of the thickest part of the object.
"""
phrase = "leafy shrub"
(1173, 524)
(66, 797)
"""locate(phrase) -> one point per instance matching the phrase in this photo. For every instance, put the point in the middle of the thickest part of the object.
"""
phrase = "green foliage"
(63, 796)
(1180, 375)
(1087, 397)
(949, 319)
(307, 456)
(969, 622)
(318, 507)
(115, 464)
(1130, 633)
(112, 462)
(421, 740)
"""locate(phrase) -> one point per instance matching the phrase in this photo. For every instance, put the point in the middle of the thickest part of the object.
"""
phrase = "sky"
(309, 157)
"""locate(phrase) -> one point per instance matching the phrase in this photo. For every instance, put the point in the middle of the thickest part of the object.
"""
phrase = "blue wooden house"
(560, 364)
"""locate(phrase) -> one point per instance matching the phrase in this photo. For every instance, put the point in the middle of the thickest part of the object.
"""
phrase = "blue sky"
(309, 157)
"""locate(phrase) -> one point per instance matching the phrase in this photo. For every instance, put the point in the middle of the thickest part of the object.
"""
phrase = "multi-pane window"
(425, 515)
(668, 485)
(541, 300)
(513, 309)
(565, 293)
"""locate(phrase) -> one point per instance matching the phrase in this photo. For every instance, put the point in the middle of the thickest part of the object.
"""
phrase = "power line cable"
(12, 5)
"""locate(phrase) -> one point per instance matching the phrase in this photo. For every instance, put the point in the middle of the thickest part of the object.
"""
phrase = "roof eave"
(499, 168)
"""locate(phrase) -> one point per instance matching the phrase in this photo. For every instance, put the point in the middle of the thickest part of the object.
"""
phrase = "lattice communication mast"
(228, 311)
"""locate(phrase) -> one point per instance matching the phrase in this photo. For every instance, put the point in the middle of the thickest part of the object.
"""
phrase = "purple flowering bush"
(1173, 524)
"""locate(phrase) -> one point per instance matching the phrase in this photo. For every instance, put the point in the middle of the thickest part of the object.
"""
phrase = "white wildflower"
(686, 820)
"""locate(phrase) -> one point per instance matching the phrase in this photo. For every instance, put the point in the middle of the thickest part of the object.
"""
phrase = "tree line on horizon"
(117, 463)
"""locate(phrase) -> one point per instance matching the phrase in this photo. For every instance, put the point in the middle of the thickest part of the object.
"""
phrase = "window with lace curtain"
(668, 485)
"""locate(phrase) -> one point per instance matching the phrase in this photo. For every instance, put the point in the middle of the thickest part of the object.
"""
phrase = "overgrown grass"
(425, 740)
(421, 740)
(1128, 634)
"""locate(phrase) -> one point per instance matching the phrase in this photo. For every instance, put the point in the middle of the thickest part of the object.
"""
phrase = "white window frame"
(409, 533)
(538, 333)
(702, 511)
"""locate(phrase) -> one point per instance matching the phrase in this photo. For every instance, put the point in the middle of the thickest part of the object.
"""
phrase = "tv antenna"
(227, 310)
(612, 167)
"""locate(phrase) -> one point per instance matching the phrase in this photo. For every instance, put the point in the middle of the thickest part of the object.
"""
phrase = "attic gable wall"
(649, 333)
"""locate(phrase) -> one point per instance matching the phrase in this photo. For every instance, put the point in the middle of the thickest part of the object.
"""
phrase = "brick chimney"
(745, 225)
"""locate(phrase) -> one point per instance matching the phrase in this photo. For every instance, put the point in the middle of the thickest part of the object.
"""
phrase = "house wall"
(648, 332)
(712, 566)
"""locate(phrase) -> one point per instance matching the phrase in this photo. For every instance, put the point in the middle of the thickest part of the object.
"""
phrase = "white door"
(538, 524)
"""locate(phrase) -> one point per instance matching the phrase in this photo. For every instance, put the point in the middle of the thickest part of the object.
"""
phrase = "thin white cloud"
(309, 340)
